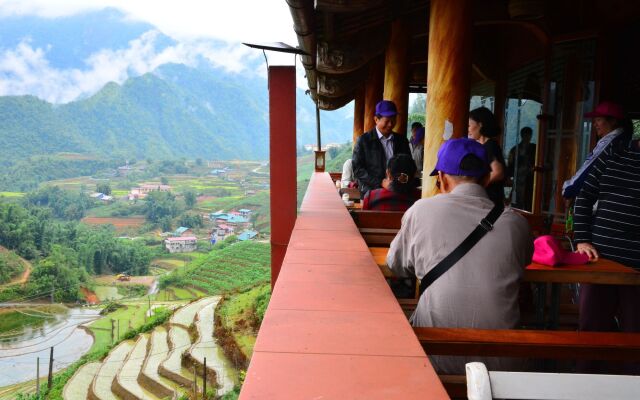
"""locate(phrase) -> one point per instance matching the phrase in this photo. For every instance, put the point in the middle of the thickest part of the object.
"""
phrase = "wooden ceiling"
(344, 36)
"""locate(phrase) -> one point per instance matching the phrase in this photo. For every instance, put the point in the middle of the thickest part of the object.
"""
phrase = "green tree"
(160, 205)
(191, 221)
(190, 199)
(104, 188)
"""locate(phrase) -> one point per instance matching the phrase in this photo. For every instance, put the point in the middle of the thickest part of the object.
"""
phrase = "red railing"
(333, 329)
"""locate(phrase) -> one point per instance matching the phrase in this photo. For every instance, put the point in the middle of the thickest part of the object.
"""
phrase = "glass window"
(568, 135)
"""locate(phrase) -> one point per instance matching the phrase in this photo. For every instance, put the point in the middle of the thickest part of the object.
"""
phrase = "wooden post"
(38, 378)
(50, 377)
(282, 156)
(396, 71)
(373, 91)
(358, 114)
(195, 382)
(204, 380)
(448, 78)
(112, 329)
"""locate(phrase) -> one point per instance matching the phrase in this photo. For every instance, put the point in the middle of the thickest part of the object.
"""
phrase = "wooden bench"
(568, 345)
(377, 219)
(378, 228)
(488, 385)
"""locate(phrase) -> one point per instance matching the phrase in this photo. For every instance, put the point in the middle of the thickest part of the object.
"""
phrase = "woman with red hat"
(612, 127)
(607, 224)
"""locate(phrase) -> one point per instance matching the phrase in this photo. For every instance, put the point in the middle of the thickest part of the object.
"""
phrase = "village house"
(142, 191)
(247, 235)
(230, 218)
(124, 170)
(101, 196)
(181, 244)
(245, 212)
(183, 231)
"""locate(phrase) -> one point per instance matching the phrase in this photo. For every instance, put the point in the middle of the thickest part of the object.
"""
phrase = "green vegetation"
(13, 321)
(96, 353)
(27, 173)
(132, 321)
(10, 266)
(242, 314)
(241, 265)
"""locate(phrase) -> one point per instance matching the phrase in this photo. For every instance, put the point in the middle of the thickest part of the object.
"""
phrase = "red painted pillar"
(282, 158)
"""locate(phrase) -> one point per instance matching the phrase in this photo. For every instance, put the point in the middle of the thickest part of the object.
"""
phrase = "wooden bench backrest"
(377, 219)
(537, 222)
(531, 344)
(489, 385)
(335, 176)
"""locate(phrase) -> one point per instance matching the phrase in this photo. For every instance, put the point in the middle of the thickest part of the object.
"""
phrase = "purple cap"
(453, 151)
(386, 108)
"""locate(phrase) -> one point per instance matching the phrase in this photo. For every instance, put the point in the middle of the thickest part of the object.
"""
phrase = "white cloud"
(192, 23)
(231, 21)
(26, 70)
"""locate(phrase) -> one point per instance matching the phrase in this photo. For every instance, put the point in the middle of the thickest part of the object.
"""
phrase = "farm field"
(118, 223)
(241, 265)
(101, 386)
(206, 347)
(158, 351)
(240, 314)
(78, 386)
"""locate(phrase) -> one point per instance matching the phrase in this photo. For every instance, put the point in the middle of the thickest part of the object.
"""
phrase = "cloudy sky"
(194, 24)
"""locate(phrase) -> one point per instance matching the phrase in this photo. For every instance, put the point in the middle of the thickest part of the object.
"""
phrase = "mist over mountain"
(199, 102)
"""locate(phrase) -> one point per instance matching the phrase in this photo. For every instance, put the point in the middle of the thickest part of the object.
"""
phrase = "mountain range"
(175, 110)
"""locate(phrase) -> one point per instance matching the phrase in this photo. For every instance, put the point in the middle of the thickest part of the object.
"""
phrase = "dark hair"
(484, 116)
(471, 162)
(416, 125)
(403, 170)
(526, 130)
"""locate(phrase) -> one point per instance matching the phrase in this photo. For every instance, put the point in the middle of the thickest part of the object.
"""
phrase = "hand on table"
(589, 250)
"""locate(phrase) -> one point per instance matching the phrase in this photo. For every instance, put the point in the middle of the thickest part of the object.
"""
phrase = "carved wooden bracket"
(339, 6)
(351, 54)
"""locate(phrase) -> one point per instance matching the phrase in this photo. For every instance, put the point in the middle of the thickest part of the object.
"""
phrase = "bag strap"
(486, 224)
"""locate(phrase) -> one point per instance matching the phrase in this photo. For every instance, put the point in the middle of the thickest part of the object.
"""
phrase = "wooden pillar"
(358, 114)
(448, 78)
(282, 158)
(373, 91)
(396, 71)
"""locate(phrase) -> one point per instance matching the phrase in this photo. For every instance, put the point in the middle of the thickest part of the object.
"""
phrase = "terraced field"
(157, 365)
(126, 383)
(206, 347)
(78, 386)
(172, 368)
(241, 265)
(158, 351)
(185, 315)
(101, 386)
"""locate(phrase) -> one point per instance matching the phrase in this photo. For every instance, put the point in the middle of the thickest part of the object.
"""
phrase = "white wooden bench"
(489, 385)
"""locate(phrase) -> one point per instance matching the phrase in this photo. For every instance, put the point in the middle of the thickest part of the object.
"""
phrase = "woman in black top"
(483, 128)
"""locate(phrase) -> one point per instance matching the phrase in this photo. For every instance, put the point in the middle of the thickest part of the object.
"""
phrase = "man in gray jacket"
(375, 148)
(481, 289)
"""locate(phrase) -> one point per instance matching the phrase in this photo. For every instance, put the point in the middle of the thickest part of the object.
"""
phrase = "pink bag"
(548, 251)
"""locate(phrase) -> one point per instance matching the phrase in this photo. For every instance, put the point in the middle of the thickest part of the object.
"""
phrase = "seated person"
(347, 180)
(417, 147)
(481, 289)
(401, 192)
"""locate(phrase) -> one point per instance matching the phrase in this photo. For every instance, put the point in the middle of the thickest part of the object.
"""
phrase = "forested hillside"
(177, 111)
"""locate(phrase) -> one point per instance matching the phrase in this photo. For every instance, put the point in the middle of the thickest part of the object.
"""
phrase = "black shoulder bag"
(463, 248)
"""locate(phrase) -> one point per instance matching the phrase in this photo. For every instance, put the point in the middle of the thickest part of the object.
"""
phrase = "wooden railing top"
(333, 329)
